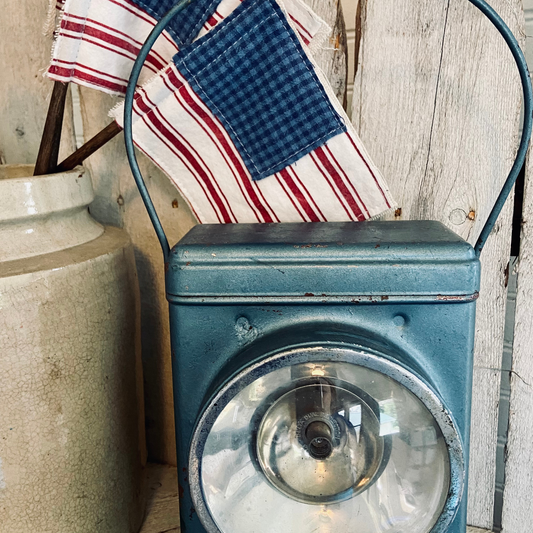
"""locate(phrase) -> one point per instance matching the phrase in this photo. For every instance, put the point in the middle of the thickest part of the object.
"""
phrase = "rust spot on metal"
(457, 298)
(377, 246)
(308, 294)
(175, 204)
(383, 298)
(335, 41)
(181, 491)
(120, 200)
(472, 215)
(167, 266)
(188, 263)
(398, 212)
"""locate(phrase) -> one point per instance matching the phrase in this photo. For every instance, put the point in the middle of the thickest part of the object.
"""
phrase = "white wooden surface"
(518, 491)
(351, 17)
(517, 514)
(162, 513)
(332, 58)
(436, 101)
(24, 92)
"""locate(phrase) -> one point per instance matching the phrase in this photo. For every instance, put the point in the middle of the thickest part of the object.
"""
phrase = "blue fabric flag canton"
(253, 74)
(186, 25)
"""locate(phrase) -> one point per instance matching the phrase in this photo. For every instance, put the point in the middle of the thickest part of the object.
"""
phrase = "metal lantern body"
(322, 376)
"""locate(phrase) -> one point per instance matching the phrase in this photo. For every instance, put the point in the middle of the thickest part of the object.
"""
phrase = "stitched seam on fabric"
(156, 16)
(234, 44)
(220, 26)
(328, 103)
(207, 96)
(338, 129)
(65, 13)
(289, 30)
(338, 121)
(202, 20)
(222, 115)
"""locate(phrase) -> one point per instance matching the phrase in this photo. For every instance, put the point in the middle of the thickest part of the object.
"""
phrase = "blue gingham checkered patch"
(185, 26)
(253, 74)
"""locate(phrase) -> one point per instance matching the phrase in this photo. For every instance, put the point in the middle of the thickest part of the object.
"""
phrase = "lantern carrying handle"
(486, 9)
(128, 133)
(518, 55)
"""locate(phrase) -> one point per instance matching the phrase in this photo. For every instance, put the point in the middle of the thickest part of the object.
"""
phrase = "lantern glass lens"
(325, 447)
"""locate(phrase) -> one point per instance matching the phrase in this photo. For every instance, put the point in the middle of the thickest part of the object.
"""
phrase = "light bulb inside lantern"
(310, 450)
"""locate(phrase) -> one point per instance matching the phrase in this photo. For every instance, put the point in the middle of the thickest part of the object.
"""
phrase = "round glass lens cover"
(326, 447)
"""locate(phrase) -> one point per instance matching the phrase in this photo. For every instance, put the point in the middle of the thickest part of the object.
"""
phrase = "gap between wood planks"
(162, 515)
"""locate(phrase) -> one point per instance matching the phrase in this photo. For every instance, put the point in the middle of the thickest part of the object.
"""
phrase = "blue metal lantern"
(323, 376)
(323, 371)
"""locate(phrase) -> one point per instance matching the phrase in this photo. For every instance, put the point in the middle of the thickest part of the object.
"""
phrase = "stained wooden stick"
(83, 152)
(49, 148)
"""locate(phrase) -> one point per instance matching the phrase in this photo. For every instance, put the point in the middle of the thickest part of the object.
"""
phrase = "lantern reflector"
(325, 440)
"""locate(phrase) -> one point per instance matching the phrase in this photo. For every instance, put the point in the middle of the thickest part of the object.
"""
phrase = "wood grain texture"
(162, 513)
(517, 503)
(162, 506)
(48, 154)
(118, 203)
(436, 101)
(332, 59)
(24, 92)
(88, 148)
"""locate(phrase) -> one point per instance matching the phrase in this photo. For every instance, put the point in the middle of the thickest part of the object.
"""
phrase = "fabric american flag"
(97, 41)
(177, 124)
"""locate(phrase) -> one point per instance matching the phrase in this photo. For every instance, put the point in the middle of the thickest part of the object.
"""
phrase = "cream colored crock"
(70, 445)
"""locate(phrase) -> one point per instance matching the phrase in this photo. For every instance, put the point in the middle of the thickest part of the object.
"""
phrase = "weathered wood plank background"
(24, 92)
(436, 101)
(517, 514)
(517, 501)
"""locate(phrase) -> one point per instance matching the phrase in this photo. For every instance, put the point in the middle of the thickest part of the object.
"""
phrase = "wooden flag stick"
(83, 152)
(49, 148)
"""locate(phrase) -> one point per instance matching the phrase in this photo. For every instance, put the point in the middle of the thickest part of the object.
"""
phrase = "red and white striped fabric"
(97, 41)
(173, 126)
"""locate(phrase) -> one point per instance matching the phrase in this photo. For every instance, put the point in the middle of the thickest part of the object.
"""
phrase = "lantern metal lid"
(322, 262)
